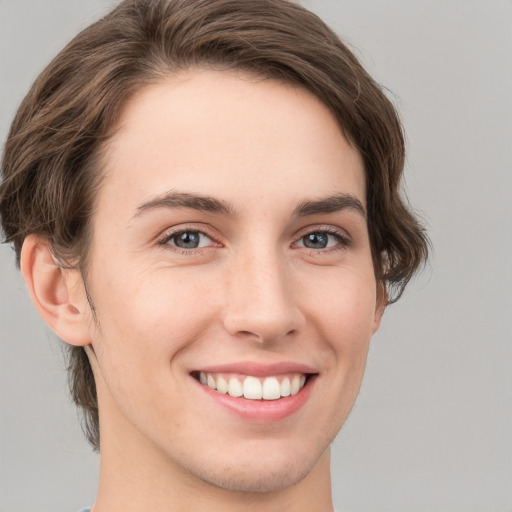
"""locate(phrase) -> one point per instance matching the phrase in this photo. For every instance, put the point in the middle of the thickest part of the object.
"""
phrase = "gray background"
(432, 428)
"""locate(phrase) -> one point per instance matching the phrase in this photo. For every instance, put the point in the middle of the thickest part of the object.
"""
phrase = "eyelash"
(169, 235)
(343, 240)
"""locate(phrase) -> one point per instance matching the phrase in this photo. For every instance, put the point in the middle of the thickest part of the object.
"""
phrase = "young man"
(204, 198)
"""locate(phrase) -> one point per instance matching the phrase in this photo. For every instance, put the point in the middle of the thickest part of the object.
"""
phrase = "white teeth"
(271, 389)
(235, 387)
(222, 385)
(285, 387)
(211, 382)
(254, 388)
(295, 385)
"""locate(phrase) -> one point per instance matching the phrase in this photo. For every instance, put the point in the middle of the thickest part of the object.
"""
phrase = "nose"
(262, 303)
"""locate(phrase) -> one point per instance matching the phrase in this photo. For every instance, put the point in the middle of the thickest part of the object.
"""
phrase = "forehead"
(221, 134)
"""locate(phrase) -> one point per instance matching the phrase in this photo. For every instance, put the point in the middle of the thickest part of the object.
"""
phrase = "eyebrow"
(330, 204)
(174, 199)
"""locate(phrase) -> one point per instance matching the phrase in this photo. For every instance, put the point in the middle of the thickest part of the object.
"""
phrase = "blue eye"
(189, 240)
(320, 240)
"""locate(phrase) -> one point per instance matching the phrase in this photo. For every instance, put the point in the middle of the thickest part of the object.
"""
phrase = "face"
(232, 278)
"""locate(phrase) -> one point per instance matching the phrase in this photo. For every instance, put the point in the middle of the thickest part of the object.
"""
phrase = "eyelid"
(163, 239)
(324, 228)
(203, 229)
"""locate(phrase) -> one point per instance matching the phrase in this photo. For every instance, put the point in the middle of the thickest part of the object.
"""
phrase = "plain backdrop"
(432, 428)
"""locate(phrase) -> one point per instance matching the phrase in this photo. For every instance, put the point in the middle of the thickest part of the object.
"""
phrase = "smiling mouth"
(251, 387)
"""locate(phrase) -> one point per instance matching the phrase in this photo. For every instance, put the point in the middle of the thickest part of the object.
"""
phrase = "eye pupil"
(187, 240)
(316, 240)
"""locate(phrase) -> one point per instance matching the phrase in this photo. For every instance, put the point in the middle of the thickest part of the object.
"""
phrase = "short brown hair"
(52, 159)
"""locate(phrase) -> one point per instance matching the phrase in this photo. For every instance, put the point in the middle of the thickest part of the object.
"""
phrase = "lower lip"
(261, 411)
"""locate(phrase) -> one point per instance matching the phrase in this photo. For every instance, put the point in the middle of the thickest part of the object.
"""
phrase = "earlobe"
(380, 307)
(379, 312)
(50, 288)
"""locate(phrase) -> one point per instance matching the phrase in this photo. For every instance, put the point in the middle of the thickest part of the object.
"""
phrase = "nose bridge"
(260, 298)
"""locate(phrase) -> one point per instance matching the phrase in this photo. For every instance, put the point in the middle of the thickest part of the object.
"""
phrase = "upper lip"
(258, 369)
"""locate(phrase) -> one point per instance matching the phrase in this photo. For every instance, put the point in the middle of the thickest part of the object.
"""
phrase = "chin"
(266, 470)
(257, 479)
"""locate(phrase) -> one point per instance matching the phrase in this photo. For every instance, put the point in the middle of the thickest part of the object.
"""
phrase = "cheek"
(146, 319)
(147, 322)
(344, 306)
(343, 314)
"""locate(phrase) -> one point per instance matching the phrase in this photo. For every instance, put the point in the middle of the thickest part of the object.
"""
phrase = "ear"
(57, 293)
(380, 306)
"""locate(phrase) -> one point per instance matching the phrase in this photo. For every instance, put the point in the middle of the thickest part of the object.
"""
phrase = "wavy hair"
(51, 166)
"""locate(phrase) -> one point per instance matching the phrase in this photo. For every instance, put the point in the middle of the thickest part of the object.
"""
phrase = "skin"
(252, 292)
